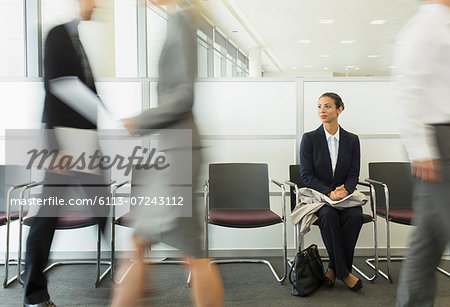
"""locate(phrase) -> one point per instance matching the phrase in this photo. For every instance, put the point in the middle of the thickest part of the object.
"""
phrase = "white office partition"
(368, 105)
(246, 107)
(21, 107)
(21, 104)
(277, 153)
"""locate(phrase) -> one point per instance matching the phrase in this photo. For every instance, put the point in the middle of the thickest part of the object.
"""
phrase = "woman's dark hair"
(337, 99)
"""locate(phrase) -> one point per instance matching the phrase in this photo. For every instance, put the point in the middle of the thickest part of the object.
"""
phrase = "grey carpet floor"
(244, 284)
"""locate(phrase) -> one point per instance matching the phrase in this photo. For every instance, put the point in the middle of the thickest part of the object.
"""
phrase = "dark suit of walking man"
(64, 56)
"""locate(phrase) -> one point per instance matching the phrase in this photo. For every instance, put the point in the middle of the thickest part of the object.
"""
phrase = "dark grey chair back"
(295, 177)
(397, 177)
(11, 175)
(236, 186)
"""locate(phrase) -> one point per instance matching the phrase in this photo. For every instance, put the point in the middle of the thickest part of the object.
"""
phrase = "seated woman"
(329, 164)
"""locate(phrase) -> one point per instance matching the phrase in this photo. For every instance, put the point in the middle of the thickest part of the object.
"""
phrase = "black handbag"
(307, 271)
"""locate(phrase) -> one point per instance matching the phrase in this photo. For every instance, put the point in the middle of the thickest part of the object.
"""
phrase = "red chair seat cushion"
(398, 215)
(68, 221)
(12, 215)
(244, 218)
(366, 218)
(125, 220)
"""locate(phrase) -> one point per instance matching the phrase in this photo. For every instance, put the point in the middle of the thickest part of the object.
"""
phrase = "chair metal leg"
(8, 199)
(113, 248)
(19, 253)
(388, 252)
(446, 273)
(97, 262)
(279, 279)
(385, 259)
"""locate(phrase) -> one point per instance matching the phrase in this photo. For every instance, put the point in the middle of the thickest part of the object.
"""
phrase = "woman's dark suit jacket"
(315, 161)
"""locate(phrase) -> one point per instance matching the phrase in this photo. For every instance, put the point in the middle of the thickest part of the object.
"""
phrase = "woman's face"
(327, 111)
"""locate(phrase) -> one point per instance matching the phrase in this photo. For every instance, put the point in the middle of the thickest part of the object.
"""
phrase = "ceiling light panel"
(326, 21)
(378, 22)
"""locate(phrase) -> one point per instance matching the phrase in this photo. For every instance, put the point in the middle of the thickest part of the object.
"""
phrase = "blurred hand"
(428, 170)
(129, 124)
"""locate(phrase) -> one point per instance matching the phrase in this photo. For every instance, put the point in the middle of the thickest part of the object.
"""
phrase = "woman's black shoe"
(356, 287)
(328, 282)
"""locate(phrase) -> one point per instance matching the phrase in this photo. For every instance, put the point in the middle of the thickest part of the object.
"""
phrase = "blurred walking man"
(422, 97)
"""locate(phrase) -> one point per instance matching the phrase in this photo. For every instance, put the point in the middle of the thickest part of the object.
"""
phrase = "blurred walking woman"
(177, 73)
(329, 164)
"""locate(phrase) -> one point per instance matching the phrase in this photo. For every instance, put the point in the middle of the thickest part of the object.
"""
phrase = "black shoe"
(47, 303)
(328, 282)
(356, 287)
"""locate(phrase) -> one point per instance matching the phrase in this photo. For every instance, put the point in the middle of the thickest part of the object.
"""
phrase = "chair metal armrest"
(206, 198)
(386, 193)
(119, 185)
(283, 198)
(371, 181)
(291, 184)
(295, 186)
(276, 182)
(114, 192)
(206, 187)
(8, 198)
(17, 186)
(111, 183)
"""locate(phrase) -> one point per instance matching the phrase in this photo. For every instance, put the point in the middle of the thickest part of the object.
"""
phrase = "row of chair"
(237, 195)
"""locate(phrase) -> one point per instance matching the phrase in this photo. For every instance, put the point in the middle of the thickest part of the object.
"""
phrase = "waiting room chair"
(12, 178)
(237, 196)
(70, 220)
(295, 183)
(393, 185)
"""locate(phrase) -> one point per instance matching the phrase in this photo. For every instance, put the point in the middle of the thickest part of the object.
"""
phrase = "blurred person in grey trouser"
(422, 99)
(177, 73)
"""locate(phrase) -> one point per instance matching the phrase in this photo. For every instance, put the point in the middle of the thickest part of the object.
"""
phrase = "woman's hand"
(333, 196)
(341, 192)
(338, 194)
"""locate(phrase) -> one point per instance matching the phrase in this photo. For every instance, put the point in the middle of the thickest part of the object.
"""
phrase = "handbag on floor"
(306, 274)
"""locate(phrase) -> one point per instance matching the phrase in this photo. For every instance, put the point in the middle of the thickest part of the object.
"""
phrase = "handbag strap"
(292, 268)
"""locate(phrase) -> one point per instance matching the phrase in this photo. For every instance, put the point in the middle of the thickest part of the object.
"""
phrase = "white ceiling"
(278, 26)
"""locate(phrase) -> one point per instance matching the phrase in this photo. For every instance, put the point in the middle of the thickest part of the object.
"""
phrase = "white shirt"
(333, 146)
(422, 79)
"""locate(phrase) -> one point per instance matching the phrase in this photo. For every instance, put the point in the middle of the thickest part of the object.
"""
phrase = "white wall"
(243, 120)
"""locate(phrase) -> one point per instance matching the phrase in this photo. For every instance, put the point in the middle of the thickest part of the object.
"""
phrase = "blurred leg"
(130, 291)
(417, 282)
(206, 284)
(38, 246)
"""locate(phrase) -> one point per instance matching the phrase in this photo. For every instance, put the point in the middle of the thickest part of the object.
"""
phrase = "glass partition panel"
(12, 38)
